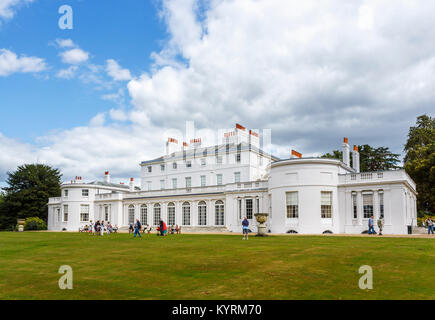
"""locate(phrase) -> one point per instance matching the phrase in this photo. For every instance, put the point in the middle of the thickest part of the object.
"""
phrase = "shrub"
(34, 223)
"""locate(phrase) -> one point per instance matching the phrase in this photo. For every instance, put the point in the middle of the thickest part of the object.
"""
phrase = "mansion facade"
(214, 188)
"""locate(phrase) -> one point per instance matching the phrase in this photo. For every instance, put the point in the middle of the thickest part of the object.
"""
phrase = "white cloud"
(11, 63)
(8, 8)
(65, 43)
(67, 73)
(98, 120)
(74, 56)
(117, 73)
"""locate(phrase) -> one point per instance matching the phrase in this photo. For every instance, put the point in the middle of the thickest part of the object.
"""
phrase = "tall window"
(143, 214)
(150, 168)
(186, 213)
(238, 157)
(174, 183)
(65, 193)
(240, 208)
(202, 213)
(188, 182)
(65, 213)
(189, 164)
(326, 204)
(84, 212)
(219, 159)
(292, 204)
(59, 217)
(219, 179)
(249, 208)
(106, 213)
(85, 193)
(131, 214)
(162, 167)
(354, 205)
(162, 184)
(219, 206)
(381, 202)
(236, 177)
(174, 165)
(203, 162)
(171, 214)
(202, 181)
(368, 204)
(157, 214)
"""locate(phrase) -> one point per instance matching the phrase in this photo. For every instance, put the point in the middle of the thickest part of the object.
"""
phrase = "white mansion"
(214, 188)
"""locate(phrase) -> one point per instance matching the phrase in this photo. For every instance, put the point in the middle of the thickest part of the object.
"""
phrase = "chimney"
(171, 146)
(131, 185)
(195, 143)
(107, 177)
(296, 154)
(346, 152)
(78, 180)
(355, 158)
(254, 139)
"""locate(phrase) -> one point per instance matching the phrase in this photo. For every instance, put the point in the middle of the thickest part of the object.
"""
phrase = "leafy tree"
(420, 161)
(27, 195)
(371, 159)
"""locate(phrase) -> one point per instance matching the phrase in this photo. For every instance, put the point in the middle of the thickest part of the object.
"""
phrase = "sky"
(106, 94)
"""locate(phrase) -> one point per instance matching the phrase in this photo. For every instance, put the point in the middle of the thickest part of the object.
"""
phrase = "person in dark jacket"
(137, 227)
(245, 224)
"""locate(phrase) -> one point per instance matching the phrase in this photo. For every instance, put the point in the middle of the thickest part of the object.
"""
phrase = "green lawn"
(214, 267)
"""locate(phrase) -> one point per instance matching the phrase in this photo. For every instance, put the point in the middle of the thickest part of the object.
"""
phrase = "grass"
(214, 267)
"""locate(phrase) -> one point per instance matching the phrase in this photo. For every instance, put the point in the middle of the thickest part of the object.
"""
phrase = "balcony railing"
(379, 176)
(54, 200)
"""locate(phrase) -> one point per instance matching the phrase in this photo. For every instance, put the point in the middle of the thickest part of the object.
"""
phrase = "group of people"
(380, 224)
(99, 228)
(429, 223)
(162, 229)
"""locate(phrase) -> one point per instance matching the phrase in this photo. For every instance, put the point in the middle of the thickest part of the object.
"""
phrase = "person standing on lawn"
(137, 227)
(245, 225)
(381, 224)
(372, 225)
(430, 226)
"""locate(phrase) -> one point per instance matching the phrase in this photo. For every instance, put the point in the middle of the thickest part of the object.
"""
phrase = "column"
(359, 207)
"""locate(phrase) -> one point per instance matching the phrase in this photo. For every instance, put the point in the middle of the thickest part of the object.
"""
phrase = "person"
(97, 227)
(172, 229)
(91, 227)
(109, 228)
(245, 224)
(430, 226)
(102, 228)
(177, 229)
(137, 227)
(381, 224)
(163, 228)
(130, 228)
(371, 225)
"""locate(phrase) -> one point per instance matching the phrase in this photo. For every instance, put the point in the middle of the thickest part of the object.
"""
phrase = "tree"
(371, 159)
(420, 160)
(27, 195)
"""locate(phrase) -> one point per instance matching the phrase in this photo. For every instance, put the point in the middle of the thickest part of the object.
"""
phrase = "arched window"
(219, 206)
(171, 214)
(157, 214)
(131, 214)
(143, 214)
(202, 213)
(186, 214)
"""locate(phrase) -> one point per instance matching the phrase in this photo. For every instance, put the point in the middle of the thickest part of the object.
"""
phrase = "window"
(189, 164)
(131, 214)
(174, 166)
(162, 167)
(354, 205)
(204, 153)
(106, 213)
(238, 157)
(174, 183)
(202, 181)
(84, 212)
(326, 204)
(162, 184)
(65, 213)
(171, 214)
(202, 213)
(240, 209)
(219, 206)
(150, 169)
(85, 193)
(249, 208)
(149, 185)
(143, 214)
(381, 203)
(157, 214)
(65, 193)
(368, 205)
(58, 215)
(186, 213)
(188, 182)
(236, 177)
(219, 160)
(219, 179)
(292, 204)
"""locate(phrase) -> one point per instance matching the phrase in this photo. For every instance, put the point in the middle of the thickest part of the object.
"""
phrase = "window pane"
(249, 208)
(186, 214)
(292, 204)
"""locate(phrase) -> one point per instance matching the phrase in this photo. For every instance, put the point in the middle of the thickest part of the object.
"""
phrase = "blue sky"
(127, 31)
(107, 94)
